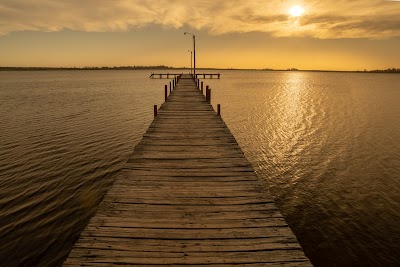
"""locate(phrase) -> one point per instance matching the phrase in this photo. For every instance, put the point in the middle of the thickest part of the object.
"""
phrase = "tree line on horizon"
(88, 68)
(389, 70)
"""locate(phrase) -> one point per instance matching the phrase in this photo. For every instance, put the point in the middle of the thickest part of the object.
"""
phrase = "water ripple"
(325, 143)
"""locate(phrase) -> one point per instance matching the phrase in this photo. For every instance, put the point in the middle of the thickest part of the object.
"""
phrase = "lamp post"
(194, 51)
(190, 60)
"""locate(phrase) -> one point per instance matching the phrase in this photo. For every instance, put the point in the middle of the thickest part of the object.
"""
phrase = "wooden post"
(170, 87)
(201, 87)
(166, 92)
(219, 109)
(155, 111)
(208, 94)
(173, 83)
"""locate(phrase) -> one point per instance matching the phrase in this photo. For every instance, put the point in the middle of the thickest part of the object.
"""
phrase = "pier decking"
(187, 196)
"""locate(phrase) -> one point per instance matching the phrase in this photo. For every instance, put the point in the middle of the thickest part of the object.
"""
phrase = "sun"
(296, 11)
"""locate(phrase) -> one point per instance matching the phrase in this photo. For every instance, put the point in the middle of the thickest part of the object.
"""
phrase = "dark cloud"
(353, 26)
(323, 19)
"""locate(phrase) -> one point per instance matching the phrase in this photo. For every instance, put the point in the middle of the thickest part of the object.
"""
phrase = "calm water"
(325, 143)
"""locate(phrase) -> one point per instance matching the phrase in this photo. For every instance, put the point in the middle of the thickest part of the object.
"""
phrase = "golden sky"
(328, 34)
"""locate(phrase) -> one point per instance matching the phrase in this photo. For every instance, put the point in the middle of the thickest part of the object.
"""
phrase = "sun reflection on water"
(289, 123)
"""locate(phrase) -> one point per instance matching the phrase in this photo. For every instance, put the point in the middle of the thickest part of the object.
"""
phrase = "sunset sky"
(321, 34)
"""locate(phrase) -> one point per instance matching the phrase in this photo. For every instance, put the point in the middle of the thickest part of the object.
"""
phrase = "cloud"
(329, 19)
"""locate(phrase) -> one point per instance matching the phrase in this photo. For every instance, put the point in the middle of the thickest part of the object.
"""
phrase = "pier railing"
(175, 80)
(197, 75)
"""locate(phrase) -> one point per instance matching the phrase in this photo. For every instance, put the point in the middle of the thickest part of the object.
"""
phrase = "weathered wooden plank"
(190, 163)
(199, 210)
(272, 243)
(189, 258)
(187, 196)
(133, 257)
(206, 244)
(148, 199)
(258, 264)
(190, 181)
(194, 216)
(152, 154)
(188, 223)
(185, 233)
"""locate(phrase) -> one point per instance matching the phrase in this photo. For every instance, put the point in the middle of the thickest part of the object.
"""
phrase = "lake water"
(327, 144)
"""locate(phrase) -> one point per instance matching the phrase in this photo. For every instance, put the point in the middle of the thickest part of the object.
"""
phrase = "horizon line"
(133, 67)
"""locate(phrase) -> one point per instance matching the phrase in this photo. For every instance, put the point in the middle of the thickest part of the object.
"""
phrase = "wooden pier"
(164, 75)
(187, 197)
(198, 75)
(208, 75)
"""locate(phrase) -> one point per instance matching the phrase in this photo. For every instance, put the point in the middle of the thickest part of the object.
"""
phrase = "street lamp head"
(188, 33)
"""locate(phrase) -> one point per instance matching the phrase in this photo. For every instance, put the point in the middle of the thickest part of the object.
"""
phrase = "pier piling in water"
(155, 110)
(208, 94)
(187, 196)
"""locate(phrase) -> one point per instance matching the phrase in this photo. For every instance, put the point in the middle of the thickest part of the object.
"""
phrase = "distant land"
(162, 67)
(87, 68)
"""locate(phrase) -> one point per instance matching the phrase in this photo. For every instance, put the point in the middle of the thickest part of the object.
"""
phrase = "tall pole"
(194, 51)
(191, 61)
(194, 54)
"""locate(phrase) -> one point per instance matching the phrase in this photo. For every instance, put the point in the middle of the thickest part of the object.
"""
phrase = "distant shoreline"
(392, 70)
